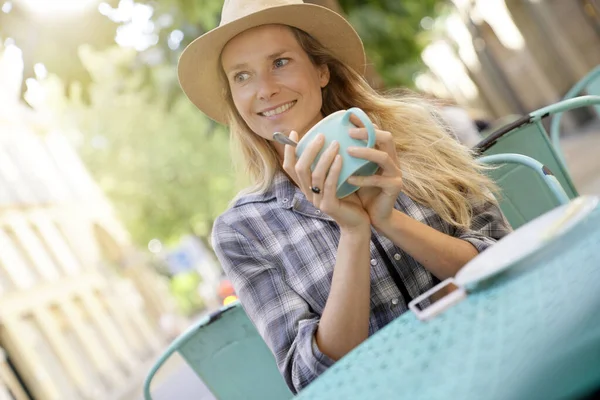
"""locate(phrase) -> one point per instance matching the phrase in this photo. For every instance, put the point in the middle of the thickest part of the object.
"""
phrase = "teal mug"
(335, 127)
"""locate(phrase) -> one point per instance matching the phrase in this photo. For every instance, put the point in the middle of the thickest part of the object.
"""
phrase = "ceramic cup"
(335, 127)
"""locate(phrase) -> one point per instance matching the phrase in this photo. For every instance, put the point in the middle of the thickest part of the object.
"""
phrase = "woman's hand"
(348, 212)
(378, 193)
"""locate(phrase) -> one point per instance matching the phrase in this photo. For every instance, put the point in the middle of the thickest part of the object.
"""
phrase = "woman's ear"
(323, 75)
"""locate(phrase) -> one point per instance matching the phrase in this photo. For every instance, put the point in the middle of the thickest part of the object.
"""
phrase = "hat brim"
(198, 67)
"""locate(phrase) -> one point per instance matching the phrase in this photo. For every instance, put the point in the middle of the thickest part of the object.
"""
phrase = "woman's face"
(274, 85)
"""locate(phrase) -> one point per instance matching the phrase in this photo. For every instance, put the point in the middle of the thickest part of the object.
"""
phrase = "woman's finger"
(356, 121)
(363, 134)
(379, 157)
(305, 161)
(329, 199)
(383, 139)
(321, 169)
(379, 181)
(289, 158)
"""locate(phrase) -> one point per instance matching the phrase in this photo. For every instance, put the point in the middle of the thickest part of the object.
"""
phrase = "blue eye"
(280, 62)
(241, 77)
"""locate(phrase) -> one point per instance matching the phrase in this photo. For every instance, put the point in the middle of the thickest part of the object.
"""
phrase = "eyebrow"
(270, 57)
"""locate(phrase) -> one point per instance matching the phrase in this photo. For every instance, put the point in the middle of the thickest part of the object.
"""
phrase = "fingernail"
(333, 144)
(354, 130)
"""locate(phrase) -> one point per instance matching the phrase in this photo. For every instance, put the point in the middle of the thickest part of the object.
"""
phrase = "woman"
(318, 275)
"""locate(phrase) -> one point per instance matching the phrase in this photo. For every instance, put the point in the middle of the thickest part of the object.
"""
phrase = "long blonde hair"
(438, 172)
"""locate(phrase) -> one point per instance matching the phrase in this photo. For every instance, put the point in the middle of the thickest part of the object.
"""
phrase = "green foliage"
(392, 34)
(54, 41)
(184, 288)
(167, 169)
(192, 16)
(390, 29)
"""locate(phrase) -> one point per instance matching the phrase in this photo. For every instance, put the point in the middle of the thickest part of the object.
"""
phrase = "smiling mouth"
(279, 110)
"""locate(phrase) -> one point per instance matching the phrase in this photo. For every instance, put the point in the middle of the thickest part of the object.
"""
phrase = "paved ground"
(177, 381)
(582, 154)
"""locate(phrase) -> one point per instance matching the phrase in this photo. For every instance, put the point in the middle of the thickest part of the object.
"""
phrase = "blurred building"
(513, 56)
(79, 310)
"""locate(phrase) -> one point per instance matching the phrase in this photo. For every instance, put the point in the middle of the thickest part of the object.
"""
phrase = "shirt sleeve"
(487, 226)
(283, 318)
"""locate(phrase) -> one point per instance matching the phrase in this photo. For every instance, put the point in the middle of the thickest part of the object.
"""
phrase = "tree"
(392, 31)
(167, 169)
(394, 34)
(54, 41)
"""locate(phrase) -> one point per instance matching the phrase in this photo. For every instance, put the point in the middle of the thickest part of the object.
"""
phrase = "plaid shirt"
(279, 252)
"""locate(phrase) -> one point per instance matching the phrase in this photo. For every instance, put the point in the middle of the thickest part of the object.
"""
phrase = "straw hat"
(199, 63)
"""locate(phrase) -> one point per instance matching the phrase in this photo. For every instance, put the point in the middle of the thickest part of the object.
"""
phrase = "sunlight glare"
(155, 246)
(6, 7)
(58, 7)
(40, 71)
(11, 73)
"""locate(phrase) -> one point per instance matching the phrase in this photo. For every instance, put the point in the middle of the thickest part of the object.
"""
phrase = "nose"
(267, 87)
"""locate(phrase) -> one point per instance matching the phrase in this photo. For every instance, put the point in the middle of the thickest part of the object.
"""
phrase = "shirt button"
(373, 262)
(318, 212)
(285, 200)
(397, 257)
(395, 302)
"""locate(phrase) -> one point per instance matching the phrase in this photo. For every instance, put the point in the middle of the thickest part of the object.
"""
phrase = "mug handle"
(366, 122)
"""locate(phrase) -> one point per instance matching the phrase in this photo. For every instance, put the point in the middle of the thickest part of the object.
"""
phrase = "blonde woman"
(318, 275)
